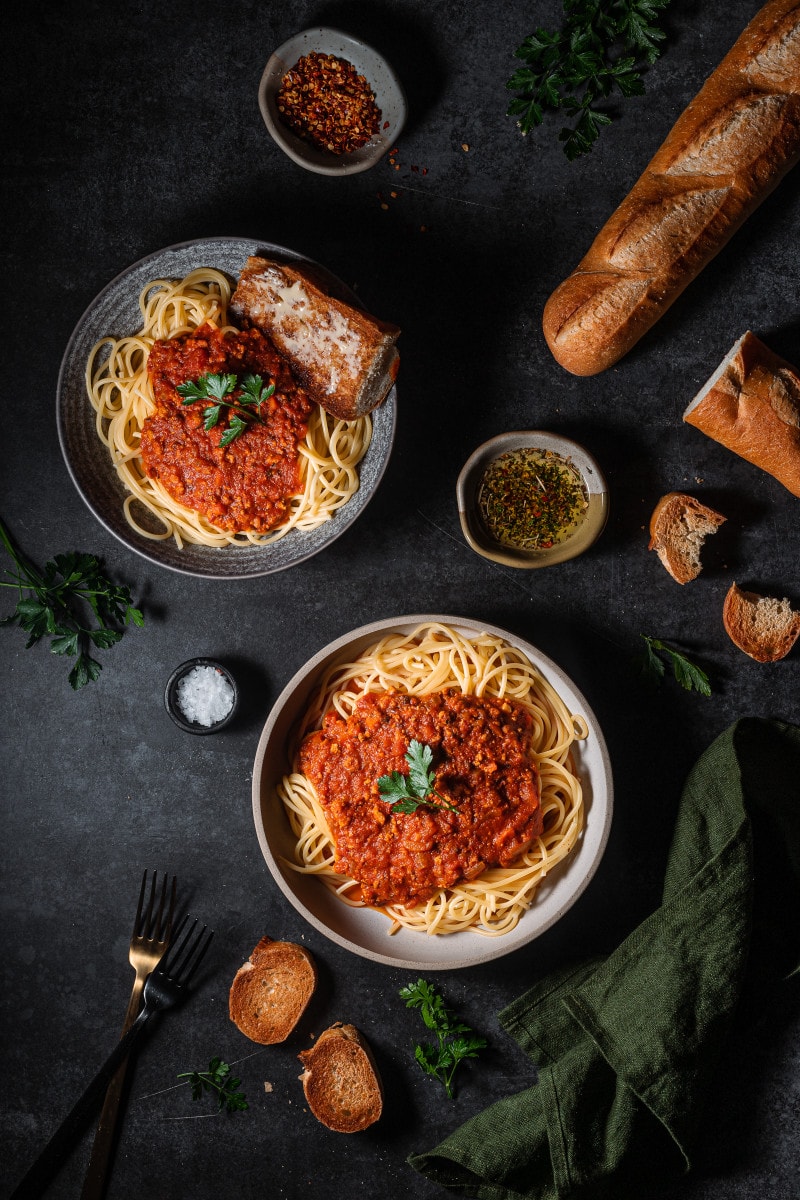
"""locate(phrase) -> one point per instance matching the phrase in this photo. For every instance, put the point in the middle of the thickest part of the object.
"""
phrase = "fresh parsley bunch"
(59, 596)
(602, 46)
(687, 673)
(220, 1083)
(406, 793)
(455, 1041)
(245, 409)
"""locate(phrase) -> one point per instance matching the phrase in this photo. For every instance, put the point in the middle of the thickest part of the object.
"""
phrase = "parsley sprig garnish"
(58, 598)
(407, 793)
(245, 408)
(687, 673)
(602, 46)
(455, 1041)
(219, 1081)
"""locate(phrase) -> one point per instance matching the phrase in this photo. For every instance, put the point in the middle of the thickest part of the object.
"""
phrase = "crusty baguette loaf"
(678, 527)
(751, 404)
(765, 628)
(729, 149)
(270, 993)
(341, 1081)
(345, 358)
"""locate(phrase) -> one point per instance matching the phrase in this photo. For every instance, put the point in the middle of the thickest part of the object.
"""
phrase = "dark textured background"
(129, 127)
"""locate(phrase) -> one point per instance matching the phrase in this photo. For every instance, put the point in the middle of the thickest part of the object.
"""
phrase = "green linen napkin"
(626, 1046)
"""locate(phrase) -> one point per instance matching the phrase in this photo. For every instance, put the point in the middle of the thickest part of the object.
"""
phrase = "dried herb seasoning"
(532, 499)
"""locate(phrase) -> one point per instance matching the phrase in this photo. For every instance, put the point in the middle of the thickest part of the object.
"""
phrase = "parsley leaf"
(455, 1041)
(61, 593)
(253, 392)
(407, 793)
(600, 48)
(219, 1081)
(688, 674)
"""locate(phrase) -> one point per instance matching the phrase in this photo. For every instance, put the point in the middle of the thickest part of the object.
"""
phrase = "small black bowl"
(171, 696)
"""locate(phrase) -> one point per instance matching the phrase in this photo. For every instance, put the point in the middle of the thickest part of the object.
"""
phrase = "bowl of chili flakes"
(332, 103)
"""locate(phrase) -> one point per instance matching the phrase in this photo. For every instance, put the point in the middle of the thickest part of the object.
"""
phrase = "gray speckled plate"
(116, 311)
(365, 931)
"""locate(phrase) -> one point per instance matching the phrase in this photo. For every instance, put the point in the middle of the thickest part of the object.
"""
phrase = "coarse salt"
(204, 696)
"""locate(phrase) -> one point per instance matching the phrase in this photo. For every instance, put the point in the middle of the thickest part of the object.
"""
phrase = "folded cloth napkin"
(626, 1047)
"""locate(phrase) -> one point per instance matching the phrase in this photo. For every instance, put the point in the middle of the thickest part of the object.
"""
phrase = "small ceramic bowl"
(389, 96)
(477, 532)
(172, 696)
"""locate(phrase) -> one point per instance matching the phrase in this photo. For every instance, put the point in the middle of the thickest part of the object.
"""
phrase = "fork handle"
(52, 1156)
(96, 1178)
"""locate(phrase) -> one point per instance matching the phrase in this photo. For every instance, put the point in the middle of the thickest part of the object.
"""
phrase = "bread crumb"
(267, 1086)
(465, 146)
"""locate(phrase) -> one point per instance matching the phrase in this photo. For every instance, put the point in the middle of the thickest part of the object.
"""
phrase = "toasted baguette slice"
(270, 993)
(341, 1081)
(678, 527)
(763, 627)
(345, 358)
(751, 404)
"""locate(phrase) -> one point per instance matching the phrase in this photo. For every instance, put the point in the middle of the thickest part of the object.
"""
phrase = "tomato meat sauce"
(244, 486)
(483, 768)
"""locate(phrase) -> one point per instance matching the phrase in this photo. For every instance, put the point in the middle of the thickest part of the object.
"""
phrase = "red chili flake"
(424, 170)
(324, 100)
(385, 124)
(415, 169)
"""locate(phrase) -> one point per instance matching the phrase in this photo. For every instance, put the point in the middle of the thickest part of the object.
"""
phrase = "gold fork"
(149, 940)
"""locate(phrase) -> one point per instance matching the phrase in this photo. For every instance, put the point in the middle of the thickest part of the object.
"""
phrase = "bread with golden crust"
(725, 154)
(270, 993)
(345, 358)
(341, 1081)
(761, 626)
(678, 527)
(751, 404)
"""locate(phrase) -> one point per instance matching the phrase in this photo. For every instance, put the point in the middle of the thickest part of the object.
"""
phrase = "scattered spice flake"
(465, 147)
(385, 206)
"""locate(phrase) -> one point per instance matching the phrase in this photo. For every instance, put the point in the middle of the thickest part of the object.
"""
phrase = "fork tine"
(182, 961)
(137, 924)
(145, 929)
(161, 930)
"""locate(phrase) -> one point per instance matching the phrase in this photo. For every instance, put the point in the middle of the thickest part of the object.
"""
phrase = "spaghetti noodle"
(121, 394)
(434, 658)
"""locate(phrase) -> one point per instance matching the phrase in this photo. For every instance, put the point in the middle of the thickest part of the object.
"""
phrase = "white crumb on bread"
(763, 627)
(341, 1081)
(678, 528)
(271, 991)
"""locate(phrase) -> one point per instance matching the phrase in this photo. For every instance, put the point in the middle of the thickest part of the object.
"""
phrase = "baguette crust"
(345, 358)
(726, 153)
(678, 527)
(751, 404)
(270, 993)
(341, 1081)
(761, 626)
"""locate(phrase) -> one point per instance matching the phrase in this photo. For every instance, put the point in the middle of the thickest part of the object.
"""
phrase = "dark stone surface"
(132, 127)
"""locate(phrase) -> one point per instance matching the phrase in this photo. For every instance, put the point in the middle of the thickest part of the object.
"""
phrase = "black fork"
(166, 987)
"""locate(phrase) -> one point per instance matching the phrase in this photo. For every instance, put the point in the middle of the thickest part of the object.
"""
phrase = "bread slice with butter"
(270, 993)
(345, 358)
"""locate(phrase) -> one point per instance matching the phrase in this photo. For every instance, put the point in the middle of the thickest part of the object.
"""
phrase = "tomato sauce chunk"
(246, 485)
(483, 768)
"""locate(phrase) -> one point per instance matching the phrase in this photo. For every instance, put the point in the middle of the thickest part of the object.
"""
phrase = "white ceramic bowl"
(366, 932)
(389, 96)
